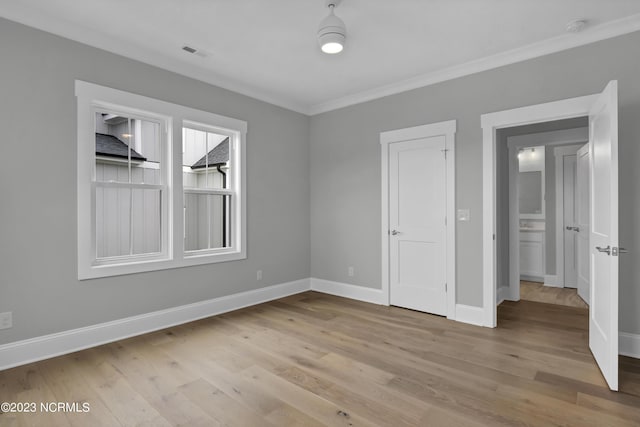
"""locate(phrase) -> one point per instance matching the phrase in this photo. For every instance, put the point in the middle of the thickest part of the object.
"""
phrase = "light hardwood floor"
(534, 291)
(313, 359)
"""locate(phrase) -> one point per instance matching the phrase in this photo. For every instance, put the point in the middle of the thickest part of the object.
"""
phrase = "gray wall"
(38, 265)
(502, 209)
(345, 160)
(550, 211)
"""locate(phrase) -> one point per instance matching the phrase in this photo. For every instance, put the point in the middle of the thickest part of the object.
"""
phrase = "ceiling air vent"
(197, 52)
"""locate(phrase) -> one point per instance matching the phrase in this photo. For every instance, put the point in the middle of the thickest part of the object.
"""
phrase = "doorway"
(602, 111)
(538, 256)
(542, 238)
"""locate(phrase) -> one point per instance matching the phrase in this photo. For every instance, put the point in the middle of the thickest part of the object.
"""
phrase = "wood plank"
(313, 359)
(220, 406)
(313, 405)
(68, 385)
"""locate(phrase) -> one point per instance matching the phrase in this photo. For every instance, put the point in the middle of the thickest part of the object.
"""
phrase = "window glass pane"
(146, 221)
(124, 146)
(145, 139)
(205, 159)
(207, 219)
(112, 221)
(113, 134)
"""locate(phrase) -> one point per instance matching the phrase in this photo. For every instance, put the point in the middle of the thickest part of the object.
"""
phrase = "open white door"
(603, 310)
(582, 219)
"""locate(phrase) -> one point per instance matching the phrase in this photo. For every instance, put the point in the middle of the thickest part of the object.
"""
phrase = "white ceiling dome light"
(332, 32)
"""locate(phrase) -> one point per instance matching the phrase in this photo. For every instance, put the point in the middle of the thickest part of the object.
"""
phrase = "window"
(130, 187)
(159, 185)
(207, 182)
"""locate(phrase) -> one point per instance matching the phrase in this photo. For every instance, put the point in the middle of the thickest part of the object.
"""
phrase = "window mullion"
(130, 188)
(212, 191)
(112, 184)
(206, 185)
(208, 221)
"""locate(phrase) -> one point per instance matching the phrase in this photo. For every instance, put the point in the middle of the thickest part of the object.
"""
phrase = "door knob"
(606, 250)
(573, 228)
(394, 232)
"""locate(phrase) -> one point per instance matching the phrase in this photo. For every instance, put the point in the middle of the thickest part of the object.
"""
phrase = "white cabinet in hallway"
(532, 258)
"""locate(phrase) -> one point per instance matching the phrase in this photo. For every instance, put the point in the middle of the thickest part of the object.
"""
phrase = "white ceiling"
(268, 49)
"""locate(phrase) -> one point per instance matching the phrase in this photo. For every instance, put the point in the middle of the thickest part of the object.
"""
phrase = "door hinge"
(444, 151)
(445, 220)
(446, 287)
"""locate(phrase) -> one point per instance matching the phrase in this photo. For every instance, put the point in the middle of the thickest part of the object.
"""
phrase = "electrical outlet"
(6, 320)
(351, 272)
(259, 275)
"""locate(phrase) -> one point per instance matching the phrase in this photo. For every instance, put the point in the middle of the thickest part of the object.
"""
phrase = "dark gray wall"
(345, 160)
(38, 266)
(550, 211)
(502, 208)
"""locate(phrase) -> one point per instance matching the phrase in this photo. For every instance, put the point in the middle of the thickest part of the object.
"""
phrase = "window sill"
(110, 270)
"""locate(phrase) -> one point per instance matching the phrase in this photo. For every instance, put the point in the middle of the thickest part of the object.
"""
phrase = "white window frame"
(172, 118)
(164, 123)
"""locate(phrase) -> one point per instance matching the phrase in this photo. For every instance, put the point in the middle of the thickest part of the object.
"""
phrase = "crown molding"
(563, 42)
(129, 50)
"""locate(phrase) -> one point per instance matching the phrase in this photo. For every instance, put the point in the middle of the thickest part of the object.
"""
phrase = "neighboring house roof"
(109, 145)
(218, 156)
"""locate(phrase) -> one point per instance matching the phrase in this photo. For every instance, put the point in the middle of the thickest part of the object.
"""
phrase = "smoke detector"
(576, 26)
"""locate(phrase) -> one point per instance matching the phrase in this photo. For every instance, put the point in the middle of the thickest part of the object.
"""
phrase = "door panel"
(417, 197)
(570, 235)
(603, 311)
(582, 217)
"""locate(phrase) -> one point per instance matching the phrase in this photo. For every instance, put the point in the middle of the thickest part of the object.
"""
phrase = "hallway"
(534, 291)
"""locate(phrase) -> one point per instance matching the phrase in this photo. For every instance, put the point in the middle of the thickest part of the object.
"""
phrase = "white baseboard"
(529, 278)
(469, 314)
(346, 290)
(44, 347)
(629, 344)
(552, 281)
(504, 293)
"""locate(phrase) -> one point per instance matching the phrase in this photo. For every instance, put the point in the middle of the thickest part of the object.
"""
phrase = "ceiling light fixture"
(332, 32)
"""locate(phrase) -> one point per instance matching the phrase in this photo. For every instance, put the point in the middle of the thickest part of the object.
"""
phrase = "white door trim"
(491, 122)
(583, 255)
(448, 130)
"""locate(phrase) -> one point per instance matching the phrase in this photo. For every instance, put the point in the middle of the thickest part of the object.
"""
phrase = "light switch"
(464, 215)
